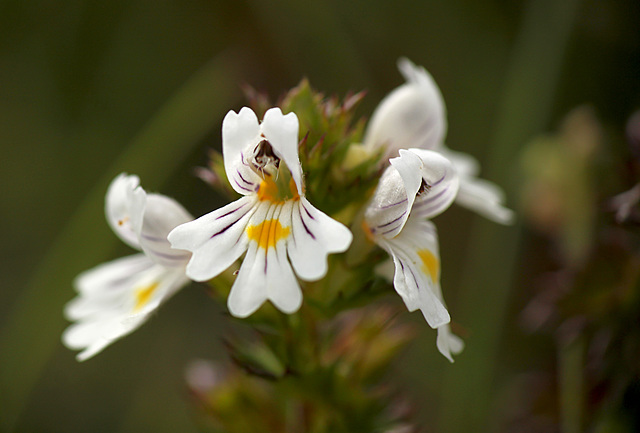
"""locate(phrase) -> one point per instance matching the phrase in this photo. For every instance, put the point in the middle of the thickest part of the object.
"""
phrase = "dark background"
(89, 89)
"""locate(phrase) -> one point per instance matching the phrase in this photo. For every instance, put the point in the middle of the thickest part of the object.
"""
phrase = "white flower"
(414, 116)
(117, 297)
(271, 221)
(418, 185)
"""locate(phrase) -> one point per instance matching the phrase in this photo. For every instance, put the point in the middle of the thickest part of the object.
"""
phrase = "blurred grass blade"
(34, 327)
(525, 111)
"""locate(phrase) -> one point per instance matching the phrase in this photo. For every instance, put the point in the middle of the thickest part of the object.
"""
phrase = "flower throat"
(277, 184)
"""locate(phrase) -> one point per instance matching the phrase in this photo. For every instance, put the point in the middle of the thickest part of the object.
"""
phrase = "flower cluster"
(384, 194)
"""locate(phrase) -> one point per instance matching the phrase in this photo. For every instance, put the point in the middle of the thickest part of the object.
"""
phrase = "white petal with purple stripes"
(117, 297)
(419, 181)
(275, 225)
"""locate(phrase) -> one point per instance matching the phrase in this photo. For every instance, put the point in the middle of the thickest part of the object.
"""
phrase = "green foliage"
(310, 375)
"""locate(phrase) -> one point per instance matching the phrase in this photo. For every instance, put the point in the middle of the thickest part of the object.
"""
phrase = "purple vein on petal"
(393, 204)
(307, 211)
(232, 211)
(227, 227)
(242, 159)
(391, 222)
(430, 208)
(305, 225)
(242, 187)
(429, 199)
(439, 180)
(243, 179)
(390, 230)
(153, 238)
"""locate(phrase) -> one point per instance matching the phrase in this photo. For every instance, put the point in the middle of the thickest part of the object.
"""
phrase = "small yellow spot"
(367, 231)
(430, 264)
(268, 190)
(143, 295)
(268, 233)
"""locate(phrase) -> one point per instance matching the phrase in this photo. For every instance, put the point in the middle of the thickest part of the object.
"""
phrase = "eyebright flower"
(414, 116)
(418, 185)
(117, 297)
(271, 221)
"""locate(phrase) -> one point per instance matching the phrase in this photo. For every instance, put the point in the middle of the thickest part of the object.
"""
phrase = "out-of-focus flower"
(271, 221)
(203, 376)
(117, 297)
(558, 187)
(624, 203)
(418, 185)
(414, 116)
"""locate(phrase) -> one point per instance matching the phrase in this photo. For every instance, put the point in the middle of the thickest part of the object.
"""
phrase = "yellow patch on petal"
(143, 295)
(268, 190)
(277, 190)
(268, 233)
(430, 264)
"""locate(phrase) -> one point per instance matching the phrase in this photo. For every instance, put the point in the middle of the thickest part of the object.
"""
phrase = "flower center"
(424, 188)
(265, 159)
(277, 184)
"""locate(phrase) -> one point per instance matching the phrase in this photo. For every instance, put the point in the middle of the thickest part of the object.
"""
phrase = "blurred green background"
(89, 89)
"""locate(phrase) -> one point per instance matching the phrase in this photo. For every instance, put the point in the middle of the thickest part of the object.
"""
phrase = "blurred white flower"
(414, 116)
(271, 221)
(418, 185)
(117, 297)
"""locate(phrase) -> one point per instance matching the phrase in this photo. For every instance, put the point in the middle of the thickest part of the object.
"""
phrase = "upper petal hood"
(118, 208)
(412, 115)
(241, 134)
(159, 215)
(415, 171)
(282, 132)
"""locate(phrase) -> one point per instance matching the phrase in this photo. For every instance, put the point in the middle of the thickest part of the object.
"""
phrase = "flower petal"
(479, 195)
(395, 197)
(282, 132)
(115, 299)
(442, 183)
(485, 198)
(466, 165)
(314, 236)
(265, 273)
(448, 343)
(160, 215)
(417, 269)
(412, 115)
(118, 208)
(216, 239)
(240, 134)
(112, 275)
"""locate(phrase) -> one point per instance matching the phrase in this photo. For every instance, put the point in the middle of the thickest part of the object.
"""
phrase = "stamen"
(263, 157)
(424, 188)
